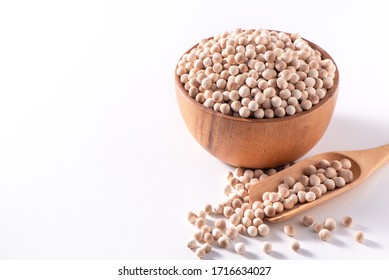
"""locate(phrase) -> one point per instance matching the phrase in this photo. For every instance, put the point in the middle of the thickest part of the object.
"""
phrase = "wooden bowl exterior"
(257, 143)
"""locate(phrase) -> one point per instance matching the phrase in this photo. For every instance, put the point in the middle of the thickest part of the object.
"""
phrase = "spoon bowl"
(363, 163)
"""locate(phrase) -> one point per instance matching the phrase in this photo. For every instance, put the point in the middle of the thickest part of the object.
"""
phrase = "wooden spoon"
(364, 163)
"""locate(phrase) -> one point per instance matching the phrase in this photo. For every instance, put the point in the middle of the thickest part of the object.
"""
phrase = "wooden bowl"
(257, 143)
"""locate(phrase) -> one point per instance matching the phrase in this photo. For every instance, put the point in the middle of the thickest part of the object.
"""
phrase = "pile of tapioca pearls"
(256, 74)
(316, 181)
(233, 216)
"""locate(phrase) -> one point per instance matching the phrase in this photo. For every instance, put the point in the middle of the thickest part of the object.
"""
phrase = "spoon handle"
(371, 159)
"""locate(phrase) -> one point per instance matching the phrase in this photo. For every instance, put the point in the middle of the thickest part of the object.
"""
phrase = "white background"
(95, 160)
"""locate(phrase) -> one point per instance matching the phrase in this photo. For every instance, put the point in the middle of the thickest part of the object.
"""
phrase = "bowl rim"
(330, 93)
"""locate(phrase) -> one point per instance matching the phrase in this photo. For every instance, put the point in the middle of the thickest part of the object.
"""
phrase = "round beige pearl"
(241, 229)
(206, 247)
(270, 211)
(290, 230)
(288, 203)
(240, 248)
(308, 221)
(266, 247)
(244, 112)
(223, 241)
(329, 224)
(339, 182)
(191, 244)
(310, 196)
(263, 230)
(359, 236)
(252, 231)
(346, 163)
(220, 224)
(232, 233)
(200, 253)
(295, 245)
(192, 217)
(347, 221)
(235, 219)
(317, 227)
(324, 234)
(200, 222)
(208, 238)
(217, 233)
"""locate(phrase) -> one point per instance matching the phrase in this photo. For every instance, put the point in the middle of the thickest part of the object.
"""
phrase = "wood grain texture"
(257, 143)
(364, 163)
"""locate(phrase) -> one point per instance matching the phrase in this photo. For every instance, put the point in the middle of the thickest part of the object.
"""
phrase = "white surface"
(95, 160)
